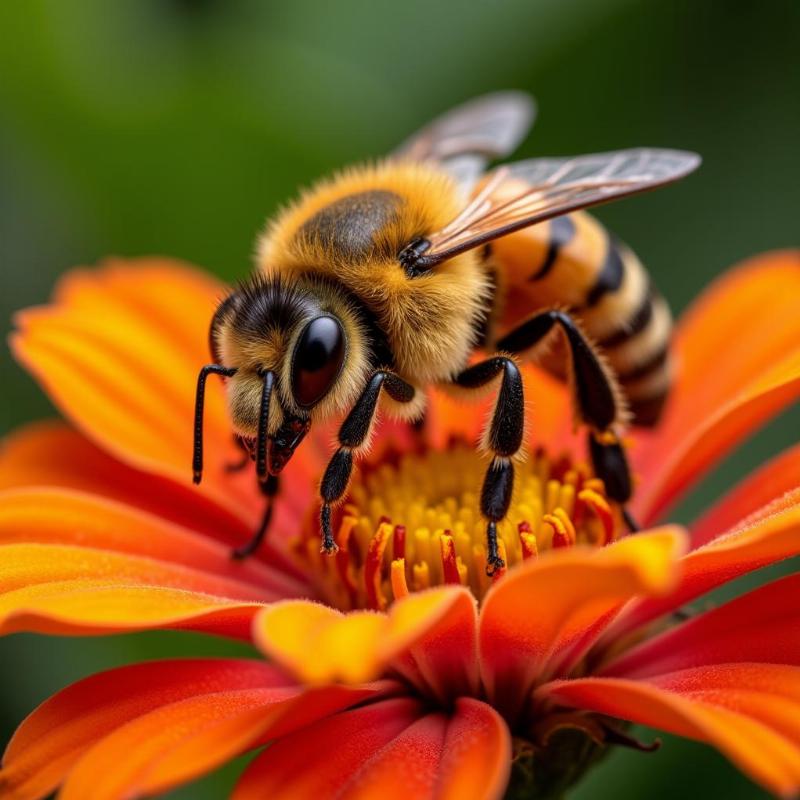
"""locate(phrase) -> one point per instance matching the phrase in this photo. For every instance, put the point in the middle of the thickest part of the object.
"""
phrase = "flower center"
(413, 522)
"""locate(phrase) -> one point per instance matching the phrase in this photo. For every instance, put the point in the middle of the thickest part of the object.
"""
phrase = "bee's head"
(293, 353)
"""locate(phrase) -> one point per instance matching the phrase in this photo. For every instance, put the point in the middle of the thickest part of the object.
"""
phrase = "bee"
(384, 281)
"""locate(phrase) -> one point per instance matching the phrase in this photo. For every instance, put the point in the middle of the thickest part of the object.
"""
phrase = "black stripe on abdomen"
(562, 229)
(646, 407)
(609, 277)
(636, 323)
(645, 370)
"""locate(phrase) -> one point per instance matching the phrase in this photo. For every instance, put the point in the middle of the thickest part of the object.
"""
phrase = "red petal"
(180, 741)
(388, 750)
(748, 711)
(772, 534)
(320, 759)
(51, 740)
(774, 479)
(476, 759)
(763, 626)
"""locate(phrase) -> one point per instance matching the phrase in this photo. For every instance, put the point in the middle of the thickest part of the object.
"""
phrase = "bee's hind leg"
(503, 440)
(597, 399)
(269, 488)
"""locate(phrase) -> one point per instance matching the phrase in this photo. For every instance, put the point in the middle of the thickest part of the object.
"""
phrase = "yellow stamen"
(527, 540)
(416, 523)
(399, 585)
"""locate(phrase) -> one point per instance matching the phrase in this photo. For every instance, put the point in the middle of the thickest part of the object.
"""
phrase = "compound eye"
(317, 360)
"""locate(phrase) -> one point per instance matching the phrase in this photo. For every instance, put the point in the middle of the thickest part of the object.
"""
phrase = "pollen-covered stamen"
(415, 523)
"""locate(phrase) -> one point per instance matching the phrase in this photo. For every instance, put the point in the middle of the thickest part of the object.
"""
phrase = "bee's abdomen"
(575, 263)
(638, 351)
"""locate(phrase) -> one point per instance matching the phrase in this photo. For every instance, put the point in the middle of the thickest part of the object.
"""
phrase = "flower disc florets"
(413, 523)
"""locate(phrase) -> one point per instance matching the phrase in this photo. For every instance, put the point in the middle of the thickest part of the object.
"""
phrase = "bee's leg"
(596, 398)
(352, 435)
(503, 439)
(269, 488)
(199, 404)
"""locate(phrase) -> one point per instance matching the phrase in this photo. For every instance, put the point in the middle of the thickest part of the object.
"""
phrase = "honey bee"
(384, 280)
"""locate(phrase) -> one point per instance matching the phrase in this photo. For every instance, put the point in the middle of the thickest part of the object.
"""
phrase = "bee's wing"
(515, 196)
(466, 138)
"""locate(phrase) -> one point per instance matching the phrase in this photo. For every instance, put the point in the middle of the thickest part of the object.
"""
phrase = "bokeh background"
(176, 126)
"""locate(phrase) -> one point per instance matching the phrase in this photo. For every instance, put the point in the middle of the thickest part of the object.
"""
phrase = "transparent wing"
(517, 195)
(466, 138)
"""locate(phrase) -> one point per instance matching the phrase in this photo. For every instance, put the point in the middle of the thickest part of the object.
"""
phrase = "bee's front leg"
(503, 440)
(353, 433)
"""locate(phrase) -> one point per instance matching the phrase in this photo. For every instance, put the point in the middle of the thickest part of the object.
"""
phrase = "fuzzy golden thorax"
(350, 230)
(257, 329)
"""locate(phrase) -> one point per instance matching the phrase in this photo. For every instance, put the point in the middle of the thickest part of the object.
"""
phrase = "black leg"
(199, 403)
(268, 379)
(269, 488)
(630, 521)
(504, 441)
(596, 398)
(352, 435)
(595, 388)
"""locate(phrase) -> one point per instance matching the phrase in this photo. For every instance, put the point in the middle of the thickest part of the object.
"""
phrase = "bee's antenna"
(199, 402)
(263, 422)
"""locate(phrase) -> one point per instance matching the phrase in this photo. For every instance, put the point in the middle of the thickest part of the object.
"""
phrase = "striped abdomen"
(573, 262)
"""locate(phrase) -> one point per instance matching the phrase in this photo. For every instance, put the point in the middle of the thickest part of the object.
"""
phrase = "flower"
(389, 687)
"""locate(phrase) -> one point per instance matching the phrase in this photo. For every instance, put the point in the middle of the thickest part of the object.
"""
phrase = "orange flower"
(388, 688)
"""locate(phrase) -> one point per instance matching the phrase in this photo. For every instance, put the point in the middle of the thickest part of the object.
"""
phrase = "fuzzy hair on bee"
(385, 279)
(429, 320)
(258, 330)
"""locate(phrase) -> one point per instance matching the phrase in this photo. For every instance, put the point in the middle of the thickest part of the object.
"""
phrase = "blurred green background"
(176, 126)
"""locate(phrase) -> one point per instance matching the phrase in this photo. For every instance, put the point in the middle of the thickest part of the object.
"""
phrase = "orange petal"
(49, 742)
(318, 760)
(747, 711)
(209, 747)
(50, 454)
(778, 476)
(557, 605)
(77, 590)
(119, 357)
(770, 535)
(387, 750)
(322, 645)
(64, 517)
(724, 391)
(444, 660)
(762, 626)
(185, 739)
